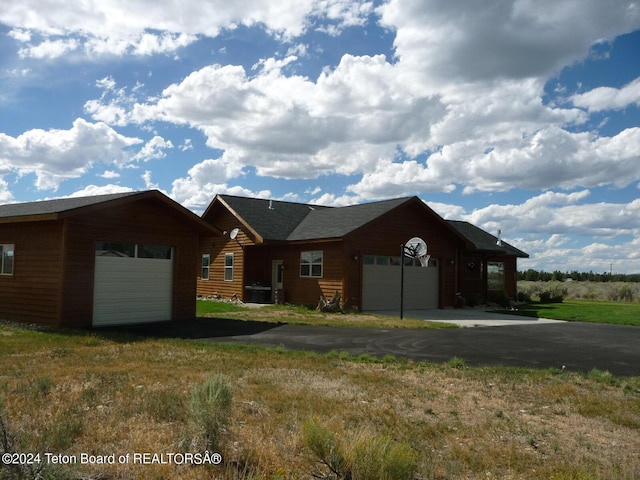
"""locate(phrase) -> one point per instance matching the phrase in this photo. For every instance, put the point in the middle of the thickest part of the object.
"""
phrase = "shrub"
(210, 408)
(499, 298)
(554, 293)
(362, 457)
(323, 443)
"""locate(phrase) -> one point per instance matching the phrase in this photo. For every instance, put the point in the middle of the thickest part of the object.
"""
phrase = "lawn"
(73, 393)
(307, 316)
(620, 313)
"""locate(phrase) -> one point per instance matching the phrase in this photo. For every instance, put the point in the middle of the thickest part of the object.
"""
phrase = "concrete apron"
(468, 317)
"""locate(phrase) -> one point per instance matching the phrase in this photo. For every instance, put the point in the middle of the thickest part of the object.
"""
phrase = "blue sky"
(516, 115)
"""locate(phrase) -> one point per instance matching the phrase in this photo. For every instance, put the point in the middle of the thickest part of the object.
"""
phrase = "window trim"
(206, 267)
(307, 262)
(12, 249)
(229, 268)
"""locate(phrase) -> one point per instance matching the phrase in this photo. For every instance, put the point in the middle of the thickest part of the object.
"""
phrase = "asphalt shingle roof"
(271, 219)
(338, 222)
(288, 221)
(48, 207)
(483, 240)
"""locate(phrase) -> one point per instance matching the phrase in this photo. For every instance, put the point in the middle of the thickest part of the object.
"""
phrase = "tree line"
(542, 276)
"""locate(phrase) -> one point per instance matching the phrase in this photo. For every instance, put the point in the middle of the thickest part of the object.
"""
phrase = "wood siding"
(307, 290)
(144, 221)
(32, 293)
(217, 248)
(54, 260)
(386, 234)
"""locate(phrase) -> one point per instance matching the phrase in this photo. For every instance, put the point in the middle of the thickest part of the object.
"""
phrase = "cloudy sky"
(519, 115)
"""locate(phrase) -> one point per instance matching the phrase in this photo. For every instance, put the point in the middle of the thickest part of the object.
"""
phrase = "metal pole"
(401, 281)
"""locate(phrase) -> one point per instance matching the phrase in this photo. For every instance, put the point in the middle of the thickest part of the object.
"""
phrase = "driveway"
(564, 345)
(536, 344)
(469, 317)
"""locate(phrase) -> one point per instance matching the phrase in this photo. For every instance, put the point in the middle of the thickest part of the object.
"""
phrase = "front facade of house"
(288, 252)
(99, 261)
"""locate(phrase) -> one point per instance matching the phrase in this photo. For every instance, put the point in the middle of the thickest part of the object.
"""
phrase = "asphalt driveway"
(575, 346)
(572, 345)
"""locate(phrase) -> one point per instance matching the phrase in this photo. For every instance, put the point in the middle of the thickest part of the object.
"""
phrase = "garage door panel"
(132, 290)
(381, 287)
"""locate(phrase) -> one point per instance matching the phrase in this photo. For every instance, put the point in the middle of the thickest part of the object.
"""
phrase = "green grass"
(207, 307)
(618, 313)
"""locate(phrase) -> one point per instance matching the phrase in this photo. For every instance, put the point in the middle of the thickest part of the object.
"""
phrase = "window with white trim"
(206, 266)
(6, 258)
(311, 264)
(228, 267)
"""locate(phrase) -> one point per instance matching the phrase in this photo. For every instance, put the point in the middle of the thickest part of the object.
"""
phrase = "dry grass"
(301, 315)
(100, 395)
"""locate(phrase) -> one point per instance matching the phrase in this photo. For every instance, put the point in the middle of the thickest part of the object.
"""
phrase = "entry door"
(277, 276)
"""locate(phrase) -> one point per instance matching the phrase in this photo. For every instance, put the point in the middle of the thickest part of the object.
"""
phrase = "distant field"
(604, 291)
(585, 311)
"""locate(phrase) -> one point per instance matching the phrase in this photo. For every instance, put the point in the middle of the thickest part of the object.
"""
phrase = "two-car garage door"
(381, 284)
(132, 284)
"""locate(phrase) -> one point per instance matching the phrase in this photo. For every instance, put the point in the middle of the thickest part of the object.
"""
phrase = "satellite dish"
(414, 248)
(234, 233)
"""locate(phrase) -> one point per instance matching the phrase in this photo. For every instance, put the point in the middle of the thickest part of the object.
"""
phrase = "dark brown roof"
(274, 220)
(63, 207)
(288, 221)
(484, 241)
(48, 207)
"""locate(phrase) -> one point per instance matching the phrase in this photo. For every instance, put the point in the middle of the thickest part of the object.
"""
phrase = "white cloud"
(110, 174)
(608, 98)
(562, 231)
(556, 214)
(461, 105)
(99, 190)
(148, 182)
(480, 41)
(56, 155)
(5, 195)
(347, 122)
(153, 149)
(49, 49)
(98, 27)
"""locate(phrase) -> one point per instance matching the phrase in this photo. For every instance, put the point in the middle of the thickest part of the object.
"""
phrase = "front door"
(277, 283)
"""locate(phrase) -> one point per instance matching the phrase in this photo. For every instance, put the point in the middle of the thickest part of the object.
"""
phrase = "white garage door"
(133, 284)
(381, 284)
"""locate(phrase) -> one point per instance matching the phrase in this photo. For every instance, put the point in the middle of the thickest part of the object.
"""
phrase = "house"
(274, 251)
(100, 260)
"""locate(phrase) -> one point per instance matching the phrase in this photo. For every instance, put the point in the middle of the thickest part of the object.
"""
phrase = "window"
(133, 250)
(228, 267)
(115, 249)
(162, 252)
(6, 259)
(311, 264)
(206, 265)
(495, 276)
